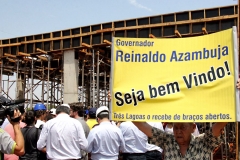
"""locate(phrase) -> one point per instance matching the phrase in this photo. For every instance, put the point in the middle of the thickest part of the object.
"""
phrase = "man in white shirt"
(63, 136)
(105, 140)
(154, 152)
(135, 142)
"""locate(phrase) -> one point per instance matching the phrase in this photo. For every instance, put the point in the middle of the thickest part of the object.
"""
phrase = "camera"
(8, 106)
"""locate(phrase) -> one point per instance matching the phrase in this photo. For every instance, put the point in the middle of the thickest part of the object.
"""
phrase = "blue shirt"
(105, 141)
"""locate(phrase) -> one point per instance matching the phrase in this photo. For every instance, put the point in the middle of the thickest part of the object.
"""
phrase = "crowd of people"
(72, 131)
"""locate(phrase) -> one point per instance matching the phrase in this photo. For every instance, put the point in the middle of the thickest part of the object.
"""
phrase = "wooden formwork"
(98, 37)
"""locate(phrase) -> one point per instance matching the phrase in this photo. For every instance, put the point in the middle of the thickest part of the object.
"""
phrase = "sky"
(28, 17)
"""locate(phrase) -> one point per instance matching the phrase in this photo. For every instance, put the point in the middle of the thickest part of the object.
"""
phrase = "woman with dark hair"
(31, 135)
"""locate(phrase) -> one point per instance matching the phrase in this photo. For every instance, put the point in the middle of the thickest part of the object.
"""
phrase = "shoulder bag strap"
(36, 135)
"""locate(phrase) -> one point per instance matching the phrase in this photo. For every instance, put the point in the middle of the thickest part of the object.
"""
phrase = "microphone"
(13, 102)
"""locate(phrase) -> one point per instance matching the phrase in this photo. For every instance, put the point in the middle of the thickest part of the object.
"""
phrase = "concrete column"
(20, 89)
(71, 71)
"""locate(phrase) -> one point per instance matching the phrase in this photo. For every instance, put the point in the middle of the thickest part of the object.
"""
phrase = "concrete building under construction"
(74, 64)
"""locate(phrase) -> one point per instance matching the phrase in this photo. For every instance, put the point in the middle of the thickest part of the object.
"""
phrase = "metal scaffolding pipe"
(48, 79)
(51, 93)
(57, 94)
(62, 81)
(211, 152)
(236, 123)
(31, 93)
(83, 63)
(8, 86)
(98, 80)
(24, 84)
(54, 92)
(93, 82)
(105, 87)
(43, 83)
(16, 90)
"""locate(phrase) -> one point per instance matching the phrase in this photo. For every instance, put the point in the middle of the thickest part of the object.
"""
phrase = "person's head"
(49, 117)
(102, 113)
(40, 111)
(63, 108)
(52, 112)
(92, 113)
(29, 118)
(76, 110)
(183, 131)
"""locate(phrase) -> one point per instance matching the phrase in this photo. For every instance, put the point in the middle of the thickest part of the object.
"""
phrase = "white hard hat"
(53, 111)
(101, 109)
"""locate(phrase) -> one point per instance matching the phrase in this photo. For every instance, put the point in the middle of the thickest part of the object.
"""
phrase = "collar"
(63, 115)
(191, 144)
(105, 122)
(80, 118)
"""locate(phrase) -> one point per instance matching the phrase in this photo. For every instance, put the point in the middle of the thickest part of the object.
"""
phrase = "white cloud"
(138, 5)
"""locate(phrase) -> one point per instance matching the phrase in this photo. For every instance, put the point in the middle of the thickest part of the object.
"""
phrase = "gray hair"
(62, 108)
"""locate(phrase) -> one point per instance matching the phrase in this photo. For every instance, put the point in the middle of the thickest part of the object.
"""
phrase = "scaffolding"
(32, 66)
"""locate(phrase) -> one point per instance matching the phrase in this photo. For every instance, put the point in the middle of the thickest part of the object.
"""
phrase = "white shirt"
(152, 147)
(196, 132)
(156, 125)
(39, 123)
(170, 131)
(64, 137)
(5, 123)
(135, 140)
(105, 141)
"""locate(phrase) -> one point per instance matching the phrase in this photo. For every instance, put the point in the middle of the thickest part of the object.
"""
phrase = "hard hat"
(86, 112)
(92, 112)
(39, 106)
(102, 109)
(53, 111)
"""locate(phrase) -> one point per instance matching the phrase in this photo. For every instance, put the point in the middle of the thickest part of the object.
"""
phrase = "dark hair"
(49, 116)
(77, 107)
(29, 118)
(39, 113)
(21, 109)
(101, 116)
(61, 108)
(92, 113)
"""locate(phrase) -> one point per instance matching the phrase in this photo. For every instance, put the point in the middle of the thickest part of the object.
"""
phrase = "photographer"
(8, 145)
